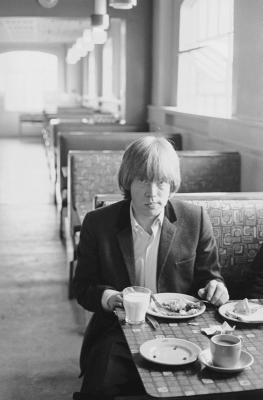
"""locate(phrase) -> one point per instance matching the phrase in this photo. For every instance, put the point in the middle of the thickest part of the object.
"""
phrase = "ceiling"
(41, 29)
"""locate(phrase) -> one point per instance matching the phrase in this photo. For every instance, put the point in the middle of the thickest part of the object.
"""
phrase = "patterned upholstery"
(103, 141)
(237, 220)
(92, 140)
(91, 172)
(54, 127)
(210, 171)
(202, 171)
(238, 229)
(68, 125)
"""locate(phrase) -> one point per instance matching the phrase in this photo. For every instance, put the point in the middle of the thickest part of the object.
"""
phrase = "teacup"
(225, 350)
(136, 300)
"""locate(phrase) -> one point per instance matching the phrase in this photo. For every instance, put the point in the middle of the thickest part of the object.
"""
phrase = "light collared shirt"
(145, 248)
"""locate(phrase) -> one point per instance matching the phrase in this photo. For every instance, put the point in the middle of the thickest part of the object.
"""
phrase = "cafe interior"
(79, 81)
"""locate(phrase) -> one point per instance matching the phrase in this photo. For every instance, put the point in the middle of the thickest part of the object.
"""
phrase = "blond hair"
(149, 158)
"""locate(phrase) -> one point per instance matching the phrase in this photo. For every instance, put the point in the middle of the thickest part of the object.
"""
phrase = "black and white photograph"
(131, 199)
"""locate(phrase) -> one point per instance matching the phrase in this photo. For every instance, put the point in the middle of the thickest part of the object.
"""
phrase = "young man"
(148, 239)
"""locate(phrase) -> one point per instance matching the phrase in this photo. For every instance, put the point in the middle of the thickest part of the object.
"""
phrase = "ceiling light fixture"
(88, 40)
(100, 18)
(123, 4)
(48, 3)
(99, 36)
(94, 35)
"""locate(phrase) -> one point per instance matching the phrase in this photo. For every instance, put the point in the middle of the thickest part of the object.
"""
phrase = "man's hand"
(115, 301)
(215, 292)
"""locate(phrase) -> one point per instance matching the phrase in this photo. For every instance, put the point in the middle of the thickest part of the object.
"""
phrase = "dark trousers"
(110, 370)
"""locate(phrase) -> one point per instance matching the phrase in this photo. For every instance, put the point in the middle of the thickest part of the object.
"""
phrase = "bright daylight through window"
(205, 57)
(30, 80)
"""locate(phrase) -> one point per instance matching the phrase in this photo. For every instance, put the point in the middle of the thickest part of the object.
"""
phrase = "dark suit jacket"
(187, 257)
(254, 283)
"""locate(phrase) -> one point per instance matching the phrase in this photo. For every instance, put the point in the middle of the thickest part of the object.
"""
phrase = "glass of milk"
(136, 300)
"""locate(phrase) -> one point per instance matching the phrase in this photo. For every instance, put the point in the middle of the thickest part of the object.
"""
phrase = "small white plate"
(227, 311)
(245, 361)
(170, 351)
(161, 297)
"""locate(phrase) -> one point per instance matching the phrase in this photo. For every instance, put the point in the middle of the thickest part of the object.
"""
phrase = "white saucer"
(169, 351)
(245, 361)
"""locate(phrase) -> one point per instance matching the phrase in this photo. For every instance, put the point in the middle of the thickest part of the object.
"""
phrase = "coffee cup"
(136, 300)
(225, 350)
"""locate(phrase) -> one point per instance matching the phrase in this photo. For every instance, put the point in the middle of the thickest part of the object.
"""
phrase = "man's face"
(149, 198)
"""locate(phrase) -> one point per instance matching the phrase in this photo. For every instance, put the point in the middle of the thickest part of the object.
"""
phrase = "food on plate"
(242, 307)
(249, 311)
(181, 306)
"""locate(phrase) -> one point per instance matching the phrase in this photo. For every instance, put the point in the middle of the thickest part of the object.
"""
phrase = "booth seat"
(112, 140)
(201, 171)
(237, 220)
(61, 123)
(95, 172)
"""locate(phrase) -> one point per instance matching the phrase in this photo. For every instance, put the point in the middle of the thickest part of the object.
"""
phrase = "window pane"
(205, 57)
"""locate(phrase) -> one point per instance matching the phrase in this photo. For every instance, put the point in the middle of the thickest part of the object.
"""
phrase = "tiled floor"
(39, 335)
(23, 172)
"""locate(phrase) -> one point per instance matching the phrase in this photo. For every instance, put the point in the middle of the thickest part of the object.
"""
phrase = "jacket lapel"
(168, 233)
(125, 240)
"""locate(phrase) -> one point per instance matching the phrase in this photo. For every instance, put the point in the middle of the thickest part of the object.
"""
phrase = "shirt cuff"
(105, 298)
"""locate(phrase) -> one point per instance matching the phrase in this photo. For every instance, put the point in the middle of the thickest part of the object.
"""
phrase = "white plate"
(245, 361)
(227, 311)
(152, 310)
(170, 351)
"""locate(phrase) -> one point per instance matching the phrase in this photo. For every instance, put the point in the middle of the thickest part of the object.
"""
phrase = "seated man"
(148, 239)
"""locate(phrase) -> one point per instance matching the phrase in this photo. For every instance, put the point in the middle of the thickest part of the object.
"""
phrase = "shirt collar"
(136, 227)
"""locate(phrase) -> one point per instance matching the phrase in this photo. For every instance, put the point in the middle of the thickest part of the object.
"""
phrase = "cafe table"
(195, 380)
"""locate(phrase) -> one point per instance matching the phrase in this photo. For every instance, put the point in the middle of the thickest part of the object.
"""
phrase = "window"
(28, 80)
(107, 73)
(92, 80)
(205, 57)
(109, 102)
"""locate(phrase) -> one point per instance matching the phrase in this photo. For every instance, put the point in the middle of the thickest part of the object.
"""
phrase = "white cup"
(225, 350)
(136, 300)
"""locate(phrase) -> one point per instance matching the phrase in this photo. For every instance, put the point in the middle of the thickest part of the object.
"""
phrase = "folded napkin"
(215, 329)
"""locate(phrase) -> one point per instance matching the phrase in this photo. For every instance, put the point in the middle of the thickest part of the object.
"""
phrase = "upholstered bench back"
(69, 125)
(97, 141)
(210, 171)
(222, 169)
(60, 124)
(237, 220)
(91, 172)
(103, 141)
